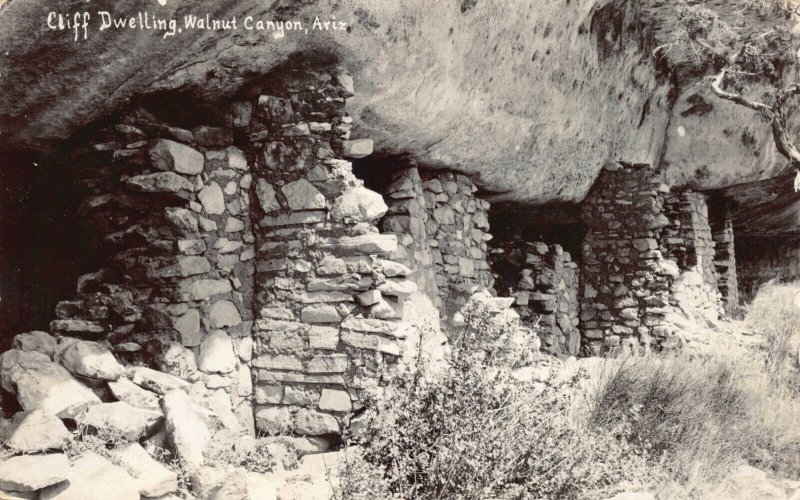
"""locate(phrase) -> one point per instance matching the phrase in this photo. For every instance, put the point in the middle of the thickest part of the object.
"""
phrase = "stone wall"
(407, 217)
(168, 211)
(724, 255)
(687, 238)
(624, 284)
(547, 295)
(458, 231)
(649, 262)
(443, 231)
(246, 259)
(328, 299)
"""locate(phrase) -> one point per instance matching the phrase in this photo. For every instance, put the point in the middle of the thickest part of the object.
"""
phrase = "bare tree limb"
(716, 87)
(776, 115)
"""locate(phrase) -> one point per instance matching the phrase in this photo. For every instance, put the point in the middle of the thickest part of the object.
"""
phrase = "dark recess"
(42, 248)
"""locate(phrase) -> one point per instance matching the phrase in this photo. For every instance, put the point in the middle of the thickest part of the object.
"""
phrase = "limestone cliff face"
(531, 97)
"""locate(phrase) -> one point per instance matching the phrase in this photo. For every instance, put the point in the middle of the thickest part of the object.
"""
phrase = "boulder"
(125, 390)
(91, 360)
(121, 419)
(153, 478)
(158, 382)
(216, 353)
(187, 432)
(36, 341)
(359, 204)
(37, 382)
(33, 472)
(10, 363)
(36, 432)
(220, 483)
(93, 477)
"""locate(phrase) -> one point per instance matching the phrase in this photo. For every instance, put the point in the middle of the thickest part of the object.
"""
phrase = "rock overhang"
(530, 99)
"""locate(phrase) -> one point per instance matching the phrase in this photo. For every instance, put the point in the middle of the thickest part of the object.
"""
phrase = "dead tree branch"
(775, 113)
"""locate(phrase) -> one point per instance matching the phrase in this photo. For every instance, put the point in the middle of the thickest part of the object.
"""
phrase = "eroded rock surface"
(536, 124)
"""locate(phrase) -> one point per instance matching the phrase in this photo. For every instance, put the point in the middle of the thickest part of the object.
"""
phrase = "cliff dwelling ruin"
(277, 227)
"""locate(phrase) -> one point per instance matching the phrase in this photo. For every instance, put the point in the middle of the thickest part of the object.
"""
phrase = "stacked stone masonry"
(245, 260)
(458, 230)
(168, 210)
(725, 255)
(443, 229)
(687, 238)
(547, 296)
(328, 296)
(407, 217)
(646, 250)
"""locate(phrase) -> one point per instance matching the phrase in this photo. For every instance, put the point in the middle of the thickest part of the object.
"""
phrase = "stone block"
(212, 199)
(159, 182)
(121, 419)
(334, 400)
(360, 245)
(169, 155)
(216, 353)
(359, 204)
(333, 363)
(302, 195)
(320, 313)
(357, 148)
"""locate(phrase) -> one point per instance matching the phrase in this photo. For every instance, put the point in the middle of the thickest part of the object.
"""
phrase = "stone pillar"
(724, 255)
(548, 297)
(168, 210)
(687, 238)
(458, 231)
(328, 298)
(625, 280)
(407, 218)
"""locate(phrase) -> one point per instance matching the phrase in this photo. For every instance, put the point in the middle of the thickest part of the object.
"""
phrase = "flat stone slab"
(186, 430)
(38, 431)
(153, 478)
(39, 383)
(125, 390)
(93, 477)
(33, 472)
(156, 381)
(121, 419)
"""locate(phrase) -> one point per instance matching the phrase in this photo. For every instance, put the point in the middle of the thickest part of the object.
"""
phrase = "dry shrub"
(691, 416)
(775, 314)
(474, 431)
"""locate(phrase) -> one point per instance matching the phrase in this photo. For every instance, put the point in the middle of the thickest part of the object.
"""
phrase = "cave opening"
(535, 255)
(43, 248)
(513, 226)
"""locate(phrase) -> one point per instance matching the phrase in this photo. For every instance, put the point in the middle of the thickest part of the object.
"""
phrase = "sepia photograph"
(399, 249)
